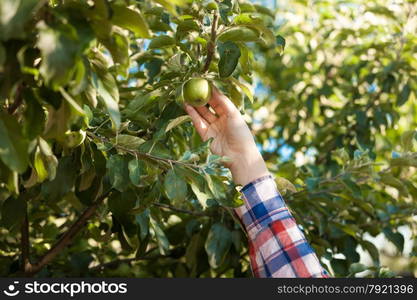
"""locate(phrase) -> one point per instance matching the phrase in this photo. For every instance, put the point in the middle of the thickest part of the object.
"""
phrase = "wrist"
(248, 167)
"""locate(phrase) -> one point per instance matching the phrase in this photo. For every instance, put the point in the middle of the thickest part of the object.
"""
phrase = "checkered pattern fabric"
(277, 246)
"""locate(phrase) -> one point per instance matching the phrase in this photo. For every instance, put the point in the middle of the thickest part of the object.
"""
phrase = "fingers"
(221, 104)
(200, 124)
(206, 114)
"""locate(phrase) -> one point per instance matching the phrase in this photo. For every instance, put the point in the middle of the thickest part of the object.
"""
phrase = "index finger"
(221, 104)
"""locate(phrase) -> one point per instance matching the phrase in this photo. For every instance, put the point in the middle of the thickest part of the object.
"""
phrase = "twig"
(68, 237)
(180, 210)
(18, 99)
(116, 262)
(135, 153)
(212, 43)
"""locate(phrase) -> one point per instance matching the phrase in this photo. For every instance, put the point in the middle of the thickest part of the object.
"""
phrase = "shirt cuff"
(263, 204)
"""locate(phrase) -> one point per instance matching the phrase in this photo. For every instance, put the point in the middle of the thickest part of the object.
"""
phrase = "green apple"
(212, 6)
(197, 91)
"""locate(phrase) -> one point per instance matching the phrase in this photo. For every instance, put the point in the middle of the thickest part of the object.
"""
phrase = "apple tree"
(336, 117)
(101, 171)
(103, 174)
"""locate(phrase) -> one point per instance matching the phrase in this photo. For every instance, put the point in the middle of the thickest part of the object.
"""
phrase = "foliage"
(102, 174)
(338, 121)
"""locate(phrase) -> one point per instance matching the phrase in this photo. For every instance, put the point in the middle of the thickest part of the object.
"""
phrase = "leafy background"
(102, 174)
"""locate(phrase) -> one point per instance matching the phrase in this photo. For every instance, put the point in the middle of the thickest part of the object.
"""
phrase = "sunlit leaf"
(130, 19)
(175, 186)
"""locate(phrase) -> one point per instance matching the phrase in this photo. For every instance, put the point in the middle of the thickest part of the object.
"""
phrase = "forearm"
(248, 166)
(277, 246)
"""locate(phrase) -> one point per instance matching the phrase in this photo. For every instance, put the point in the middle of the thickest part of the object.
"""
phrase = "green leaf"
(142, 220)
(153, 68)
(58, 51)
(407, 139)
(63, 182)
(339, 266)
(312, 182)
(109, 102)
(187, 25)
(39, 166)
(13, 146)
(284, 185)
(135, 171)
(236, 96)
(34, 116)
(176, 122)
(175, 186)
(247, 19)
(161, 238)
(237, 240)
(129, 232)
(179, 2)
(202, 197)
(218, 243)
(74, 105)
(404, 160)
(372, 250)
(215, 186)
(404, 94)
(14, 14)
(229, 57)
(13, 211)
(280, 44)
(352, 186)
(349, 229)
(128, 141)
(245, 59)
(244, 87)
(118, 45)
(162, 41)
(10, 180)
(118, 172)
(246, 7)
(264, 10)
(225, 8)
(395, 237)
(48, 158)
(195, 246)
(120, 204)
(239, 34)
(257, 26)
(389, 179)
(357, 268)
(131, 20)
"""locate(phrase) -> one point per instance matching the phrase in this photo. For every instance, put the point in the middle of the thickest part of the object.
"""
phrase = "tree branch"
(68, 237)
(212, 43)
(117, 262)
(180, 210)
(167, 161)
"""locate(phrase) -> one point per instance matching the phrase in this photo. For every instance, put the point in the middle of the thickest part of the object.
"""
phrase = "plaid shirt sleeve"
(277, 246)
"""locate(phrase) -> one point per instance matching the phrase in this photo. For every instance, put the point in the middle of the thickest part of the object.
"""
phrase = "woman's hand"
(232, 137)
